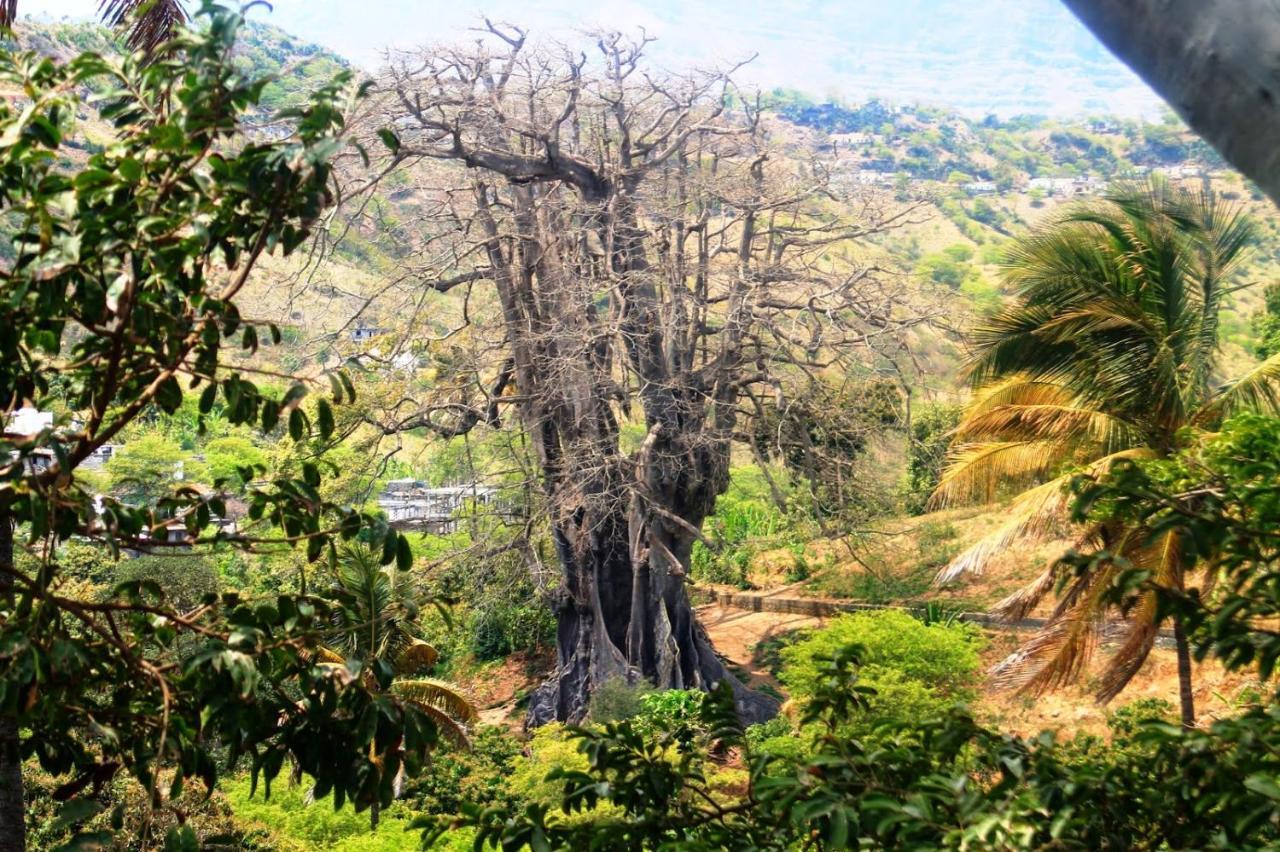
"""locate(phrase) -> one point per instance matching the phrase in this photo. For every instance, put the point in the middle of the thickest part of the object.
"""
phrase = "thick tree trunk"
(1186, 698)
(629, 619)
(1213, 61)
(13, 835)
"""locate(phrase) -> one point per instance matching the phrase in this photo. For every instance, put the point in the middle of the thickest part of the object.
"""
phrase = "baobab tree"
(635, 248)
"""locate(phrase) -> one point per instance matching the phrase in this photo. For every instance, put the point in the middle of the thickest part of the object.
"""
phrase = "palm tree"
(379, 630)
(1108, 353)
(146, 23)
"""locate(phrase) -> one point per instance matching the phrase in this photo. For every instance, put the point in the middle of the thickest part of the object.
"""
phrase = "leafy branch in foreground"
(120, 299)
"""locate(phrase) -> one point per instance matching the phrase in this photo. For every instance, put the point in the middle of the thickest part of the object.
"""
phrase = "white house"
(412, 504)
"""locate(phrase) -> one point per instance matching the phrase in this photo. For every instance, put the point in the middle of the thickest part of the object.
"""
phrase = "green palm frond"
(443, 696)
(1050, 422)
(1108, 347)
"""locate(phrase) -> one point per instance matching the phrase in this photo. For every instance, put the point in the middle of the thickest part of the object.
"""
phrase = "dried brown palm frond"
(1060, 651)
(1034, 516)
(1019, 605)
(148, 23)
(415, 656)
(448, 726)
(8, 13)
(330, 656)
(438, 694)
(1127, 659)
(1163, 557)
(975, 473)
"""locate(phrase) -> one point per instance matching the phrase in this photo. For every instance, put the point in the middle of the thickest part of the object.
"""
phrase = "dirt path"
(736, 632)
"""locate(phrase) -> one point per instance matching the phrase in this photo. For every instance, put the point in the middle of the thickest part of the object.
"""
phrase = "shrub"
(671, 711)
(553, 747)
(616, 700)
(917, 670)
(477, 775)
(227, 455)
(745, 519)
(295, 825)
(931, 426)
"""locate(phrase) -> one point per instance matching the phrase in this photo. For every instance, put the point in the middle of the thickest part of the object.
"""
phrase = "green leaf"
(324, 418)
(130, 169)
(181, 838)
(1263, 785)
(389, 139)
(75, 812)
(169, 395)
(297, 424)
(208, 398)
(390, 546)
(404, 554)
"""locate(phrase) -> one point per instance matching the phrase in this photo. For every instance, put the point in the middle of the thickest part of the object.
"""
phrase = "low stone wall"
(824, 608)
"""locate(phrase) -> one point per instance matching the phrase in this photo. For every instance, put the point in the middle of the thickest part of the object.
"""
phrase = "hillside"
(980, 180)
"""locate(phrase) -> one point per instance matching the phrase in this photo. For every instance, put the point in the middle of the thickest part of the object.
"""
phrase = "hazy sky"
(975, 54)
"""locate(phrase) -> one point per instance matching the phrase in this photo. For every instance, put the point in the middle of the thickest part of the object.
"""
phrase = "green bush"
(552, 747)
(931, 426)
(777, 739)
(501, 628)
(227, 455)
(185, 578)
(294, 825)
(671, 711)
(745, 520)
(918, 670)
(477, 775)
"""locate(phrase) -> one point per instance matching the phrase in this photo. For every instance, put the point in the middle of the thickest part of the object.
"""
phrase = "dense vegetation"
(217, 638)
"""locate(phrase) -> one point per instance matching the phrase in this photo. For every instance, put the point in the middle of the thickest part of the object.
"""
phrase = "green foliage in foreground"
(946, 782)
(120, 303)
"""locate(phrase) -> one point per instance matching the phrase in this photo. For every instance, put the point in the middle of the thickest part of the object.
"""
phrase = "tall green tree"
(1108, 353)
(120, 300)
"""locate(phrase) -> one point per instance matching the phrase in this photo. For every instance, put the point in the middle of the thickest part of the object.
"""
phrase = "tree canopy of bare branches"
(643, 258)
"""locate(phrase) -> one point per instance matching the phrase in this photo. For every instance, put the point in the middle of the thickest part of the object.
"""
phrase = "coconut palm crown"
(145, 24)
(1108, 351)
(382, 641)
